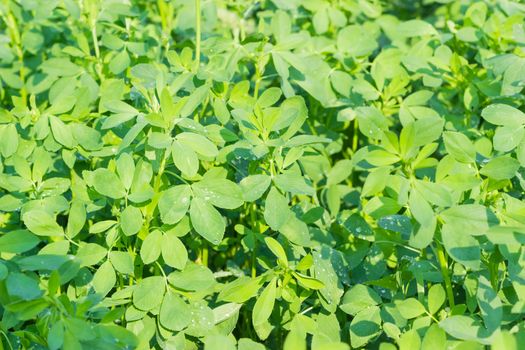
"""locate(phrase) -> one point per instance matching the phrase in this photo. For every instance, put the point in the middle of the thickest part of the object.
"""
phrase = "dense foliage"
(262, 174)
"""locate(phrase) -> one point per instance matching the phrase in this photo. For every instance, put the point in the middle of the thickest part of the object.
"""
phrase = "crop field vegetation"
(251, 175)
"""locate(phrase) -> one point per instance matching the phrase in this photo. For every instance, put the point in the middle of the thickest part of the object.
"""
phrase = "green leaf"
(87, 137)
(339, 172)
(148, 293)
(372, 123)
(427, 130)
(8, 139)
(90, 254)
(200, 144)
(420, 209)
(174, 252)
(507, 138)
(55, 337)
(126, 169)
(18, 241)
(120, 107)
(119, 62)
(264, 305)
(131, 220)
(461, 246)
(358, 226)
(277, 250)
(254, 186)
(175, 314)
(501, 168)
(356, 41)
(101, 226)
(358, 298)
(459, 146)
(281, 25)
(169, 111)
(221, 110)
(195, 99)
(41, 223)
(22, 286)
(305, 263)
(464, 328)
(435, 338)
(276, 211)
(434, 193)
(293, 183)
(436, 298)
(295, 341)
(122, 262)
(184, 158)
(207, 221)
(151, 247)
(248, 344)
(364, 326)
(320, 21)
(292, 111)
(76, 219)
(174, 203)
(240, 290)
(193, 278)
(219, 342)
(375, 181)
(307, 281)
(409, 340)
(221, 193)
(490, 305)
(108, 184)
(62, 132)
(296, 231)
(415, 27)
(410, 308)
(269, 97)
(470, 219)
(104, 279)
(501, 114)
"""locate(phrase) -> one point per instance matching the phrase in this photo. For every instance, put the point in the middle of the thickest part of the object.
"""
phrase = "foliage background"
(282, 174)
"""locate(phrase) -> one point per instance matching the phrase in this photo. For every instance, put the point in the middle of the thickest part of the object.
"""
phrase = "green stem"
(197, 117)
(255, 227)
(7, 339)
(94, 36)
(177, 176)
(445, 272)
(163, 275)
(254, 260)
(197, 34)
(355, 136)
(156, 185)
(204, 253)
(158, 178)
(95, 40)
(257, 81)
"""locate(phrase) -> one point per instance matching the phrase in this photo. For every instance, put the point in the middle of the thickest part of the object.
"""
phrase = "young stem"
(254, 261)
(197, 34)
(94, 36)
(257, 81)
(156, 185)
(255, 226)
(446, 276)
(204, 253)
(355, 136)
